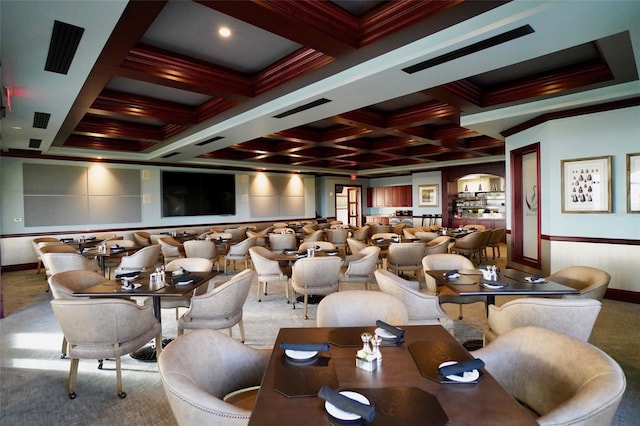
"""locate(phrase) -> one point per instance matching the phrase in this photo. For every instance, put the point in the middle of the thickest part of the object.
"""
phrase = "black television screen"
(198, 194)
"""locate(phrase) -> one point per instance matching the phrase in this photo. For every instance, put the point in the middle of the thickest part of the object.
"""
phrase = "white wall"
(614, 133)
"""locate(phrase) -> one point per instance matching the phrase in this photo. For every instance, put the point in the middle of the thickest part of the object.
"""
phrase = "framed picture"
(586, 185)
(428, 196)
(633, 183)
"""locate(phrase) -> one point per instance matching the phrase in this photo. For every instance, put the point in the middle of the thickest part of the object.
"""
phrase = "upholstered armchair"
(204, 371)
(426, 236)
(261, 240)
(495, 238)
(142, 238)
(104, 328)
(60, 262)
(221, 307)
(314, 236)
(422, 308)
(361, 267)
(317, 276)
(268, 270)
(448, 262)
(361, 234)
(237, 234)
(279, 242)
(202, 249)
(191, 264)
(338, 237)
(360, 308)
(142, 260)
(171, 249)
(239, 251)
(561, 379)
(40, 242)
(591, 282)
(324, 245)
(405, 257)
(575, 317)
(472, 245)
(438, 245)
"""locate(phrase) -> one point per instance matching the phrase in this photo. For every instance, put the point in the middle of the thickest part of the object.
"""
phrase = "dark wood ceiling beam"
(452, 132)
(320, 25)
(462, 89)
(549, 83)
(364, 118)
(298, 134)
(213, 107)
(107, 144)
(171, 130)
(157, 66)
(396, 15)
(300, 62)
(422, 114)
(134, 22)
(343, 133)
(483, 142)
(140, 106)
(97, 126)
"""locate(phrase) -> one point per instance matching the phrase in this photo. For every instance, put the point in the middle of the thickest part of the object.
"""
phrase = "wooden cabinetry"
(390, 196)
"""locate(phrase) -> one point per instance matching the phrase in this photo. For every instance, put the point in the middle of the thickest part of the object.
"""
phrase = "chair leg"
(73, 374)
(306, 303)
(63, 352)
(119, 391)
(459, 312)
(241, 327)
(259, 291)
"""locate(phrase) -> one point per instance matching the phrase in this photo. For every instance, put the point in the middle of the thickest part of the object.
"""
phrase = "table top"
(113, 288)
(468, 284)
(398, 388)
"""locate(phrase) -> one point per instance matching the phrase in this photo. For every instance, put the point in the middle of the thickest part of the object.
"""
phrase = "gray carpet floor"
(32, 375)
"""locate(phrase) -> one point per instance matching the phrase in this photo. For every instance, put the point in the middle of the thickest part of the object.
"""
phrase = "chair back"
(237, 234)
(324, 245)
(279, 242)
(105, 236)
(57, 248)
(260, 239)
(476, 227)
(355, 245)
(496, 236)
(442, 261)
(61, 262)
(199, 368)
(241, 248)
(201, 248)
(315, 236)
(563, 379)
(384, 235)
(316, 275)
(438, 245)
(337, 236)
(575, 317)
(121, 243)
(360, 308)
(426, 236)
(283, 231)
(591, 282)
(361, 266)
(64, 284)
(405, 255)
(142, 238)
(361, 234)
(143, 259)
(193, 264)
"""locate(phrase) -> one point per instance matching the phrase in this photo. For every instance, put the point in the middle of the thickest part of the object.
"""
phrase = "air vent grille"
(35, 143)
(208, 141)
(64, 43)
(170, 155)
(301, 108)
(468, 50)
(41, 120)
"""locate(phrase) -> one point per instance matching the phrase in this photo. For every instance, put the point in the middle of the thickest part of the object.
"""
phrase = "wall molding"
(592, 240)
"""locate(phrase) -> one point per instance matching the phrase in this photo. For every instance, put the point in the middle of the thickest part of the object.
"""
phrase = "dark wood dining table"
(114, 288)
(468, 284)
(405, 389)
(103, 255)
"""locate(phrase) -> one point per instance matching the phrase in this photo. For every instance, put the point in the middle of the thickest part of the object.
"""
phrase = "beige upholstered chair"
(591, 282)
(398, 228)
(279, 242)
(422, 308)
(384, 235)
(220, 307)
(278, 225)
(338, 237)
(191, 264)
(574, 317)
(565, 381)
(361, 267)
(355, 245)
(426, 236)
(361, 234)
(495, 239)
(448, 262)
(61, 262)
(239, 251)
(268, 270)
(104, 328)
(171, 249)
(409, 232)
(472, 245)
(261, 240)
(476, 227)
(237, 234)
(203, 249)
(142, 238)
(438, 245)
(106, 236)
(405, 257)
(40, 242)
(324, 245)
(283, 231)
(199, 369)
(113, 261)
(317, 276)
(142, 260)
(315, 236)
(64, 284)
(54, 248)
(380, 229)
(358, 308)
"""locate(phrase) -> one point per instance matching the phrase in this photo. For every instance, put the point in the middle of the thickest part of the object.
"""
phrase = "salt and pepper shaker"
(376, 341)
(366, 338)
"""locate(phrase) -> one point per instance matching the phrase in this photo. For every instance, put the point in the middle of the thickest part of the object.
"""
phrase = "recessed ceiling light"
(16, 127)
(224, 32)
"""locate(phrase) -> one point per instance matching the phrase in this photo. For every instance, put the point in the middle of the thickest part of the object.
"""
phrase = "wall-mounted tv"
(198, 194)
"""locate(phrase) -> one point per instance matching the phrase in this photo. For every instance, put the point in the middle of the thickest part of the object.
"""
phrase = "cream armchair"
(239, 251)
(405, 257)
(422, 308)
(220, 307)
(144, 259)
(317, 276)
(438, 245)
(104, 328)
(591, 282)
(268, 270)
(200, 372)
(360, 308)
(279, 242)
(55, 263)
(565, 381)
(171, 249)
(203, 249)
(575, 317)
(361, 267)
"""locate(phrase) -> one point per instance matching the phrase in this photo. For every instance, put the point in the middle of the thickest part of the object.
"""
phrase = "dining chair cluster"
(213, 378)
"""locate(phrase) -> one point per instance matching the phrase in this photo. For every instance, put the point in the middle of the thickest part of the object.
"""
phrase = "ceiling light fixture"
(224, 32)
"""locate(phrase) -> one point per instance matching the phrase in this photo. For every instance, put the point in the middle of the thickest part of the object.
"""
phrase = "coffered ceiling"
(363, 87)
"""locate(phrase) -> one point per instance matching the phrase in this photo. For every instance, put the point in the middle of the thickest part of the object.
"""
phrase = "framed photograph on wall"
(633, 183)
(586, 185)
(428, 195)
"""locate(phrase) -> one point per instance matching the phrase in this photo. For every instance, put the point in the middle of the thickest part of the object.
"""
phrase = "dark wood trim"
(592, 240)
(623, 295)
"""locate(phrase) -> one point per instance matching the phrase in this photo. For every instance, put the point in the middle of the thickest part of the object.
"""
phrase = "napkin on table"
(305, 346)
(452, 274)
(349, 405)
(396, 331)
(493, 283)
(461, 367)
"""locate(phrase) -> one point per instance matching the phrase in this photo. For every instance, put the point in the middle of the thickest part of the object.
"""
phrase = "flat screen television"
(198, 194)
